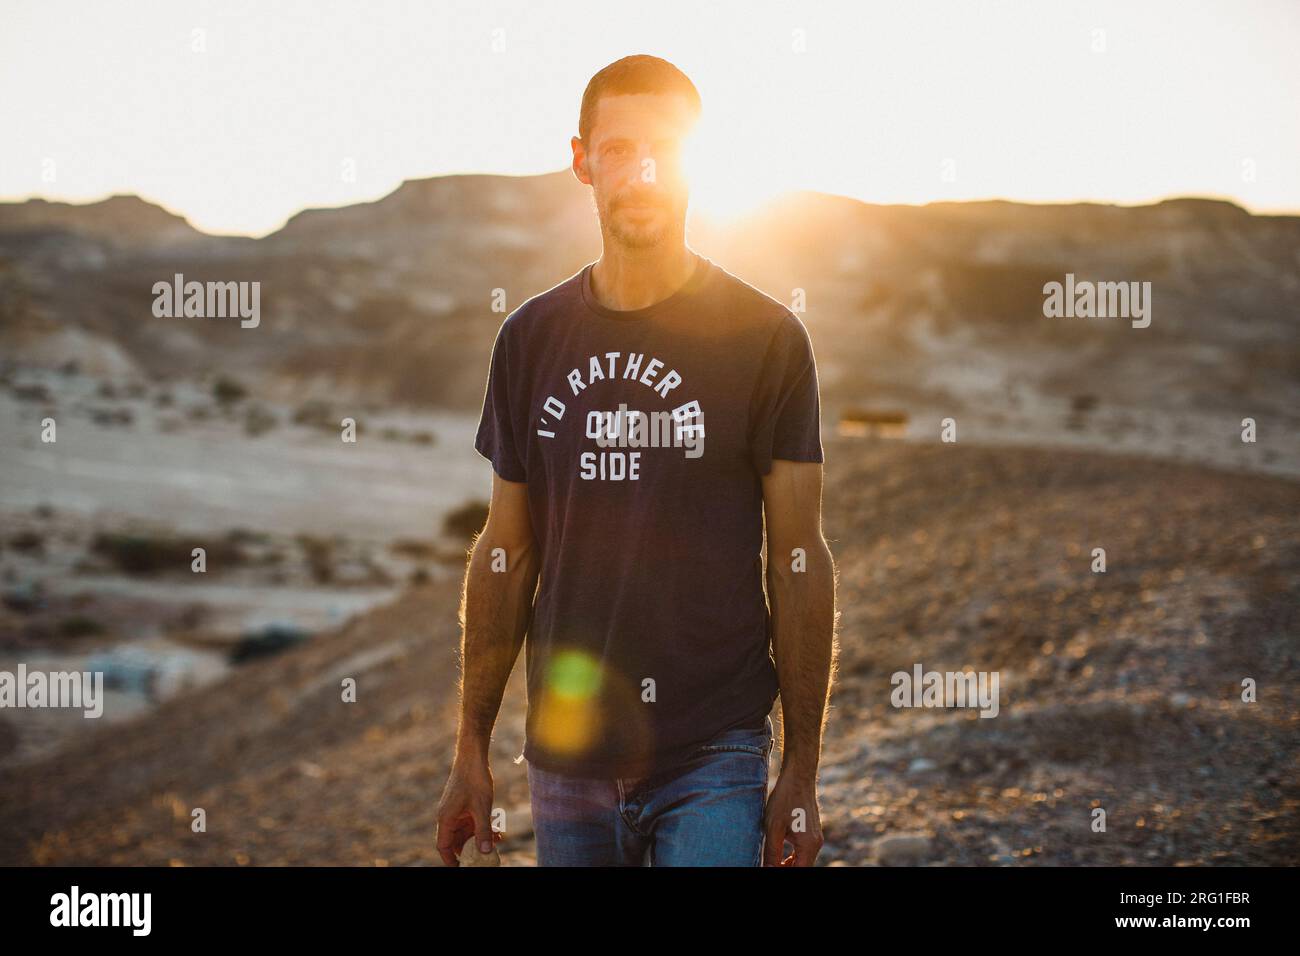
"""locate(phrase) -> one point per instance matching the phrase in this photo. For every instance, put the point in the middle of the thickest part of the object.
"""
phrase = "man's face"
(633, 163)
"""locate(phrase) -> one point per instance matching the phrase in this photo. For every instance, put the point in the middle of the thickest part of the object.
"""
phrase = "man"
(641, 418)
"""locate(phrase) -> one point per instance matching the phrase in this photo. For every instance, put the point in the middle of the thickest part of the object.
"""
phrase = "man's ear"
(580, 161)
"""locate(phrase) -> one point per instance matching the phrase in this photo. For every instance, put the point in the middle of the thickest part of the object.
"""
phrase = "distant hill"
(913, 306)
(125, 220)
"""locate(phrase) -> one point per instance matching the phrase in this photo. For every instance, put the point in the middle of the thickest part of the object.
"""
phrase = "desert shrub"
(258, 420)
(136, 553)
(227, 391)
(467, 520)
(316, 414)
(413, 548)
(79, 625)
(27, 542)
(319, 553)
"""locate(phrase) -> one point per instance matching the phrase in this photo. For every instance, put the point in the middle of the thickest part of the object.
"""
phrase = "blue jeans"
(705, 811)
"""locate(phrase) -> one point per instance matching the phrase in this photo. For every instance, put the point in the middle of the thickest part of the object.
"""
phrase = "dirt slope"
(1118, 690)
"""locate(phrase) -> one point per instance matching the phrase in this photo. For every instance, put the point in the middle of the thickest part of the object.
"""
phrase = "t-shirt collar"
(692, 285)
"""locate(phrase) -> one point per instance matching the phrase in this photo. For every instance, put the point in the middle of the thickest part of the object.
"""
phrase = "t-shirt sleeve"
(786, 409)
(496, 440)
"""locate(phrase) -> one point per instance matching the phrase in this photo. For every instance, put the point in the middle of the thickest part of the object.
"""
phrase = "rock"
(922, 765)
(470, 855)
(902, 849)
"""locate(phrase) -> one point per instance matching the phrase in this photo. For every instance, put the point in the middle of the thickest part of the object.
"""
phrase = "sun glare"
(726, 184)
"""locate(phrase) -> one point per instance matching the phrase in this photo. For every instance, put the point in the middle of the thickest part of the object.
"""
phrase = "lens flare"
(568, 715)
(585, 707)
(574, 675)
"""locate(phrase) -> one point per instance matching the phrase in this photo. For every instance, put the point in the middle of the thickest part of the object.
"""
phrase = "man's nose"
(645, 169)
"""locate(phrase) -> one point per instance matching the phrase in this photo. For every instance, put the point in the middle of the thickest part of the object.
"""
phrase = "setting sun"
(726, 185)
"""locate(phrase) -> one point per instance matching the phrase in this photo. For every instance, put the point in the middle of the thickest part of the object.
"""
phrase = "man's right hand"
(465, 812)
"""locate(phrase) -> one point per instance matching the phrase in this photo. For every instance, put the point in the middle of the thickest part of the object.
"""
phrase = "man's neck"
(637, 279)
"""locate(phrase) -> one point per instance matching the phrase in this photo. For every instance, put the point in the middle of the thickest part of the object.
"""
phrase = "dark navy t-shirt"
(642, 436)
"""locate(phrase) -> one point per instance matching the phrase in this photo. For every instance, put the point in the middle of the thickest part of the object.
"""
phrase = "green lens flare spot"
(574, 674)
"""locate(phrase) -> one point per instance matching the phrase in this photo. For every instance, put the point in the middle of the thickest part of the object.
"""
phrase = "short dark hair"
(639, 73)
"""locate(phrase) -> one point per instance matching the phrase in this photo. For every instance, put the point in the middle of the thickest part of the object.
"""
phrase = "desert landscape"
(327, 559)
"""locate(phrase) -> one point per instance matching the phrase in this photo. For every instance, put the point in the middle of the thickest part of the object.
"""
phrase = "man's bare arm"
(801, 592)
(495, 609)
(496, 606)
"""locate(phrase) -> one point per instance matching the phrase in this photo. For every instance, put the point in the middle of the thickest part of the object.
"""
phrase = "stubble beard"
(639, 237)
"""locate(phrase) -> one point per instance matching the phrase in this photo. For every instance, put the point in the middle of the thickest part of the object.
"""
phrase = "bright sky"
(239, 114)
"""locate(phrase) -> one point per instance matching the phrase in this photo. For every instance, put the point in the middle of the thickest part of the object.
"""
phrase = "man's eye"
(617, 150)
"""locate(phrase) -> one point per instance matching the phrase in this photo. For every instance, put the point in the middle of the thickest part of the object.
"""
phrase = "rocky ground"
(1119, 690)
